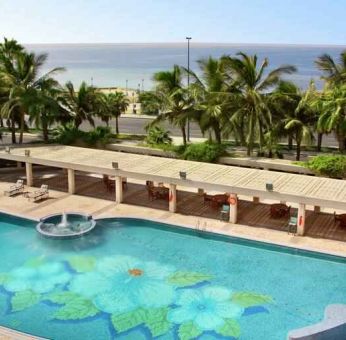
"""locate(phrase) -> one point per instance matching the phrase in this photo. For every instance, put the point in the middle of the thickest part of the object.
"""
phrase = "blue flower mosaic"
(207, 308)
(131, 293)
(121, 284)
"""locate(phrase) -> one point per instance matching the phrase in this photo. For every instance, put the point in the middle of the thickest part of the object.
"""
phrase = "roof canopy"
(311, 190)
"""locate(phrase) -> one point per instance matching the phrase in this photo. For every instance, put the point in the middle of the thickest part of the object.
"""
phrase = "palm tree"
(299, 117)
(20, 74)
(47, 108)
(173, 99)
(149, 103)
(82, 104)
(332, 105)
(254, 85)
(211, 92)
(333, 72)
(112, 106)
(8, 50)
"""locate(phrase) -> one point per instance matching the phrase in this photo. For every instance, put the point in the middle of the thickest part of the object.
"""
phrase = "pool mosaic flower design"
(130, 293)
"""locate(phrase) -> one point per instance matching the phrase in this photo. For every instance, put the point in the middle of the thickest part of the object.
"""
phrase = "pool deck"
(60, 201)
(11, 334)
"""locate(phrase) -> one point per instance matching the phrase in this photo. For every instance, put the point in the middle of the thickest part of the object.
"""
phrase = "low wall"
(266, 164)
(141, 150)
(248, 162)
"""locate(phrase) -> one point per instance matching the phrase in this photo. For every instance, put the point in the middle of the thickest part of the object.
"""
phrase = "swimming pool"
(137, 279)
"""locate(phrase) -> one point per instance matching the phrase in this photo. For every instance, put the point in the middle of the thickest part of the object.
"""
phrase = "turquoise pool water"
(135, 279)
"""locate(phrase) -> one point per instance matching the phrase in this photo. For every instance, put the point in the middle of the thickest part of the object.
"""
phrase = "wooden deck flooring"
(319, 225)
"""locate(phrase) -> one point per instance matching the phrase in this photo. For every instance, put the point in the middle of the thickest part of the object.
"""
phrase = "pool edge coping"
(212, 231)
(246, 238)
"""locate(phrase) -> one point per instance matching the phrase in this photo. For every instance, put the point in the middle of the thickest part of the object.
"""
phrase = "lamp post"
(188, 82)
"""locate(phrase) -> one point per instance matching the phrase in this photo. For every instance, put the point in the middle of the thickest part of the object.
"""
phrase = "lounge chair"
(40, 194)
(292, 225)
(225, 212)
(15, 189)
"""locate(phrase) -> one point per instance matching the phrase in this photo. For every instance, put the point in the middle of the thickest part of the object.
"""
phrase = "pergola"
(300, 189)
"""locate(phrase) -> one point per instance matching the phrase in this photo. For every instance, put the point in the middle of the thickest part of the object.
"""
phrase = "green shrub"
(100, 134)
(203, 152)
(328, 165)
(67, 134)
(158, 136)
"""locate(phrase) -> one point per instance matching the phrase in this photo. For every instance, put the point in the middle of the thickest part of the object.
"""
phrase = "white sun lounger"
(39, 194)
(15, 189)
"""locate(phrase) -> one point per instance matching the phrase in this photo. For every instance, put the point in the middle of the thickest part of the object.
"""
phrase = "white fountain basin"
(66, 225)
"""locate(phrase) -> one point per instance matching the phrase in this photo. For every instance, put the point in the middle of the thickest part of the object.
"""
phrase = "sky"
(318, 22)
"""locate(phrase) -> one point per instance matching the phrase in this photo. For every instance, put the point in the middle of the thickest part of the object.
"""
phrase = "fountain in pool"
(65, 225)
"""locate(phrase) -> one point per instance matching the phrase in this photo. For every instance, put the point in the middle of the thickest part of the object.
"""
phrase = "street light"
(188, 82)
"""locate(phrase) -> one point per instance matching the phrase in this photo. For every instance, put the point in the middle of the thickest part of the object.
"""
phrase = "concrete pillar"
(118, 189)
(301, 219)
(71, 181)
(317, 209)
(172, 198)
(233, 208)
(200, 192)
(29, 176)
(256, 200)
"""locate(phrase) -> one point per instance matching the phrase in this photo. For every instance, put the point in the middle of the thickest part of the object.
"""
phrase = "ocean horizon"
(118, 64)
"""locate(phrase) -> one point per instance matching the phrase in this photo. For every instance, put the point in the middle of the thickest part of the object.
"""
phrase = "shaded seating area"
(216, 201)
(321, 225)
(279, 210)
(157, 192)
(15, 189)
(340, 219)
(109, 182)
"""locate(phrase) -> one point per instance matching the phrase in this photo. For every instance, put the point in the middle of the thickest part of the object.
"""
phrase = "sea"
(133, 65)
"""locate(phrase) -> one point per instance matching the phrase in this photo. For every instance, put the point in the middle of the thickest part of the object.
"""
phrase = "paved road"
(134, 125)
(137, 126)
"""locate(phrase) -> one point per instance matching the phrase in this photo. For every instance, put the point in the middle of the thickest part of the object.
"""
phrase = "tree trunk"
(116, 125)
(298, 151)
(1, 123)
(22, 125)
(45, 131)
(183, 132)
(217, 133)
(290, 143)
(251, 135)
(13, 131)
(319, 141)
(341, 142)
